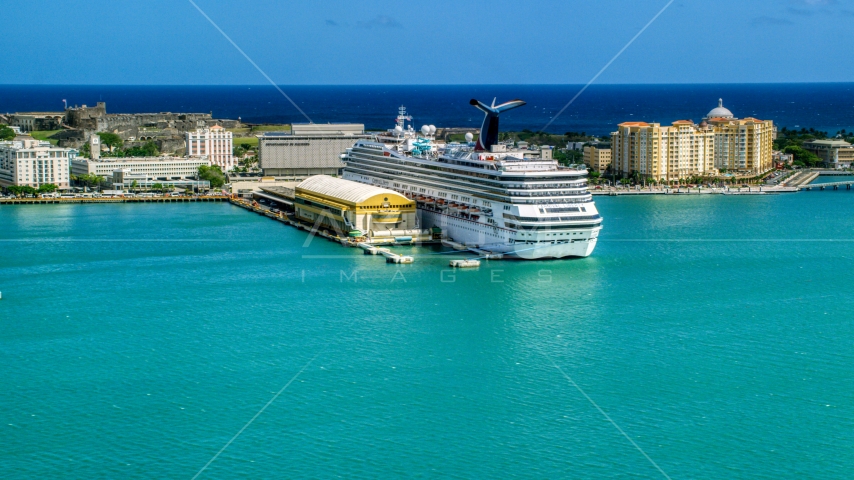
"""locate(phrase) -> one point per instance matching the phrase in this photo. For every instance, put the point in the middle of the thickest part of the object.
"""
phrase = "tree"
(134, 184)
(111, 140)
(14, 190)
(147, 150)
(157, 187)
(47, 188)
(802, 156)
(88, 180)
(6, 133)
(212, 174)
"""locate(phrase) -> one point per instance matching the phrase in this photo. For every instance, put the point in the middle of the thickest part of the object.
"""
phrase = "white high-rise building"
(26, 161)
(215, 143)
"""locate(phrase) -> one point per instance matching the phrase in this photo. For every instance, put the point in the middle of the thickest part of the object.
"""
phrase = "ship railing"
(557, 219)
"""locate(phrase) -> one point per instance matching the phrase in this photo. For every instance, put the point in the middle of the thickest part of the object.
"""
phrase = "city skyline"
(171, 43)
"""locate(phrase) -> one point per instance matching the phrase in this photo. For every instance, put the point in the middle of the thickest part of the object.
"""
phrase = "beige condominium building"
(26, 161)
(662, 153)
(597, 158)
(685, 149)
(741, 145)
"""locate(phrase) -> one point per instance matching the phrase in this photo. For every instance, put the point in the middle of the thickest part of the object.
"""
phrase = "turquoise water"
(832, 178)
(715, 331)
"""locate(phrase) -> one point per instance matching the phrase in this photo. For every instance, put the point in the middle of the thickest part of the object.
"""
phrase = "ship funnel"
(489, 129)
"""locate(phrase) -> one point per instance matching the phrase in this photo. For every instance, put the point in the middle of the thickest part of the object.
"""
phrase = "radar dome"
(425, 129)
(469, 137)
(432, 129)
(398, 129)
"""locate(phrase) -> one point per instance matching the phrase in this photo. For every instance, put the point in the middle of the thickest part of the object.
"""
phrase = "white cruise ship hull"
(501, 240)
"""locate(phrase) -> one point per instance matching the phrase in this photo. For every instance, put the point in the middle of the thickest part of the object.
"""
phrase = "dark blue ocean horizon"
(824, 106)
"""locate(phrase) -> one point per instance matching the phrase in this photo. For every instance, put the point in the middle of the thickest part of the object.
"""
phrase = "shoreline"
(613, 191)
(605, 192)
(166, 199)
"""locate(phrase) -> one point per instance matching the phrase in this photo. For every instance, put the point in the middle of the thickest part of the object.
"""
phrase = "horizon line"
(406, 84)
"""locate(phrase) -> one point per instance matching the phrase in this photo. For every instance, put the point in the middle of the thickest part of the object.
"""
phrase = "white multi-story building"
(215, 143)
(154, 168)
(26, 161)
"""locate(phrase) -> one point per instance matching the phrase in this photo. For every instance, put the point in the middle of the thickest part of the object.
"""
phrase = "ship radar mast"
(402, 117)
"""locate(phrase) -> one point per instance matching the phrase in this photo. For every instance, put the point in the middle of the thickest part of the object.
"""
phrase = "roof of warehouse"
(346, 190)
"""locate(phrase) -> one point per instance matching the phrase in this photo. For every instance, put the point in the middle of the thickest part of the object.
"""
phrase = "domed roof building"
(720, 111)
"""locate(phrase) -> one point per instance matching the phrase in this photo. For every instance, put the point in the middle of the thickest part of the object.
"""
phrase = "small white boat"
(465, 263)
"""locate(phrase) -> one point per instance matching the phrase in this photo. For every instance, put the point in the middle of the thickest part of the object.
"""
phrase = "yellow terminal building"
(356, 209)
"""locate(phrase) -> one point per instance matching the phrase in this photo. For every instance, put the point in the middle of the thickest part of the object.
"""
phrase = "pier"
(801, 178)
(752, 190)
(164, 199)
(369, 247)
(832, 185)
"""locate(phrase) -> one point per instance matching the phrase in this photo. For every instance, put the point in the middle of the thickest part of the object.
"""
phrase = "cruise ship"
(487, 194)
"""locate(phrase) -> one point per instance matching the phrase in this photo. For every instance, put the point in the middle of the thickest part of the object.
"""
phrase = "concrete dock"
(753, 190)
(370, 248)
(162, 199)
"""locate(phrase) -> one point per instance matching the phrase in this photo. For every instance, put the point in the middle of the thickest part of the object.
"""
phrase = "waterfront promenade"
(162, 199)
(656, 190)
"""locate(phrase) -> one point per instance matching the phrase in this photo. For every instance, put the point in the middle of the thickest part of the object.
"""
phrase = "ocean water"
(716, 332)
(825, 106)
(832, 178)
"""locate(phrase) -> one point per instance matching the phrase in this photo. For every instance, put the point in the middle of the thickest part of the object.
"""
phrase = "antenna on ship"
(402, 117)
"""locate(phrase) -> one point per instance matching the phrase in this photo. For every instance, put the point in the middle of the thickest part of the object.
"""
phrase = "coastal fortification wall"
(89, 120)
(97, 119)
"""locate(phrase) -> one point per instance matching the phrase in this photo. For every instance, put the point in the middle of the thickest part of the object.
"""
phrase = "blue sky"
(436, 42)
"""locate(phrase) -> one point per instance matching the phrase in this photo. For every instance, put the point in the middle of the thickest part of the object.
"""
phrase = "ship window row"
(381, 166)
(465, 174)
(426, 178)
(549, 228)
(524, 184)
(551, 219)
(563, 210)
(381, 173)
(587, 198)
